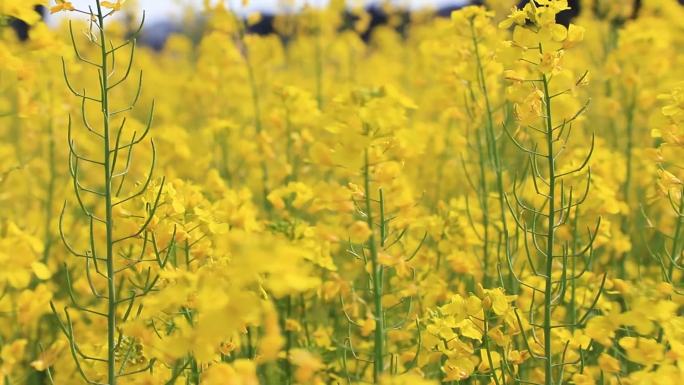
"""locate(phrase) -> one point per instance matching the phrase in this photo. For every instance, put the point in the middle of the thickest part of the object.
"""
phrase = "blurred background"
(159, 9)
(166, 17)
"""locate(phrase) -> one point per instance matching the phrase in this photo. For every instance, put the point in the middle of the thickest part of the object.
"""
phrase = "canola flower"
(490, 198)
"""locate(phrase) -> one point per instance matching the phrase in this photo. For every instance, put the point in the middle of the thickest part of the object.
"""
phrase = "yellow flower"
(367, 326)
(227, 347)
(254, 18)
(574, 36)
(530, 110)
(602, 328)
(62, 5)
(645, 351)
(48, 357)
(406, 379)
(456, 308)
(41, 270)
(113, 6)
(20, 9)
(549, 62)
(459, 367)
(517, 17)
(307, 365)
(500, 303)
(558, 32)
(11, 355)
(322, 338)
(484, 360)
(359, 232)
(32, 304)
(513, 75)
(240, 372)
(271, 343)
(608, 363)
(583, 379)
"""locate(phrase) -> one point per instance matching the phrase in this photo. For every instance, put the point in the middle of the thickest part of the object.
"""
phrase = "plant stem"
(484, 196)
(628, 173)
(376, 277)
(109, 224)
(51, 183)
(490, 137)
(288, 346)
(488, 348)
(318, 60)
(676, 249)
(548, 287)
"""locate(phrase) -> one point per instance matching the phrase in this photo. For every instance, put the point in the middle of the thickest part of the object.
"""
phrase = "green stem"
(573, 283)
(109, 223)
(51, 185)
(256, 105)
(319, 68)
(628, 173)
(490, 136)
(548, 287)
(676, 250)
(487, 347)
(376, 275)
(484, 196)
(288, 346)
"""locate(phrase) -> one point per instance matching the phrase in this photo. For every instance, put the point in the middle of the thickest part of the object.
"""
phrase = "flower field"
(494, 197)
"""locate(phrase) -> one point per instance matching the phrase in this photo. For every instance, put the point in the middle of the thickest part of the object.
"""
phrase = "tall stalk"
(379, 238)
(492, 148)
(550, 236)
(256, 107)
(627, 185)
(539, 223)
(114, 161)
(376, 279)
(52, 179)
(109, 225)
